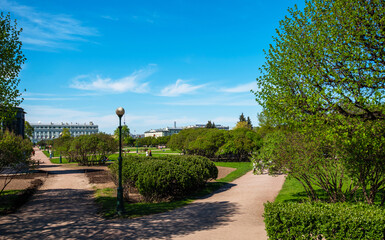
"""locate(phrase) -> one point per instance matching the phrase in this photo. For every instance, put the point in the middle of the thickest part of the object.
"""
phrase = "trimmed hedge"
(324, 221)
(164, 177)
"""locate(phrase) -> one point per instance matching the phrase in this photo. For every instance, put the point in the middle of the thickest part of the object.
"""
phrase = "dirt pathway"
(63, 209)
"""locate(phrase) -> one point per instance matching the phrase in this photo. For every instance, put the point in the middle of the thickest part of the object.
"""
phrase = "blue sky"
(163, 61)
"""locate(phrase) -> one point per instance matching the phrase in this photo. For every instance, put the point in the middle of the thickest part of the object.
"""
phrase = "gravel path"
(63, 209)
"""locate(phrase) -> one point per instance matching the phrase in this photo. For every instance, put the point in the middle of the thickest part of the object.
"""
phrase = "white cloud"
(110, 18)
(179, 88)
(215, 101)
(46, 31)
(129, 83)
(241, 88)
(48, 99)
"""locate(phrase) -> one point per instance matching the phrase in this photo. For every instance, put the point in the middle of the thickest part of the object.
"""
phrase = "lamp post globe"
(120, 112)
(120, 205)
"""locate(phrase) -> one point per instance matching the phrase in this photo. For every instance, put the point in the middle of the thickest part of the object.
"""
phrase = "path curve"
(63, 209)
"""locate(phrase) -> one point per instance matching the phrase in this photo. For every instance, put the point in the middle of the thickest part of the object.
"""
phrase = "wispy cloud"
(215, 100)
(179, 88)
(241, 88)
(110, 18)
(131, 83)
(46, 31)
(48, 99)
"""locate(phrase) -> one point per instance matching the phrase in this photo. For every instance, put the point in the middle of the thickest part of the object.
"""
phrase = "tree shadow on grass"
(70, 213)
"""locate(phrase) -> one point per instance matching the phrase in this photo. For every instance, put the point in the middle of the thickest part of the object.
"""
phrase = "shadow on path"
(70, 213)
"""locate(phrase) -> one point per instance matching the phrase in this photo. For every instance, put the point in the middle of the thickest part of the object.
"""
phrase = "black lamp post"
(120, 206)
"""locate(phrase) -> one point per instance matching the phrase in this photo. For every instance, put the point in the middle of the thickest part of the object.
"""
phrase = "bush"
(164, 177)
(324, 221)
(15, 156)
(161, 180)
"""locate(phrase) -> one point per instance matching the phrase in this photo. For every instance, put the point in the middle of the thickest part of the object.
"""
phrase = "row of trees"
(234, 145)
(85, 148)
(323, 83)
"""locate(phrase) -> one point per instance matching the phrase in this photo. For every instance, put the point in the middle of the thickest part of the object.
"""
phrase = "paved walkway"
(63, 209)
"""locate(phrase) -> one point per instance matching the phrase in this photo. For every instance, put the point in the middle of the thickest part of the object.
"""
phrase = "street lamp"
(60, 159)
(120, 206)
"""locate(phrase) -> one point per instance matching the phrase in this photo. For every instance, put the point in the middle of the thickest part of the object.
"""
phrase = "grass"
(106, 197)
(8, 200)
(293, 191)
(55, 153)
(241, 169)
(64, 161)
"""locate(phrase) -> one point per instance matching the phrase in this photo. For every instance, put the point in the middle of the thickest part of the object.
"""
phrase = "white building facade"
(162, 132)
(170, 131)
(52, 130)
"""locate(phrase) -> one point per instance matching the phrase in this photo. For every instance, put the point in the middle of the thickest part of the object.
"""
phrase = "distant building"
(162, 132)
(204, 125)
(52, 131)
(174, 130)
(17, 124)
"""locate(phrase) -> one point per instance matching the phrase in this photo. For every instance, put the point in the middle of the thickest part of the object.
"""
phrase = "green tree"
(242, 118)
(208, 142)
(325, 73)
(11, 60)
(15, 156)
(66, 132)
(243, 123)
(28, 130)
(249, 122)
(327, 60)
(125, 134)
(210, 124)
(240, 144)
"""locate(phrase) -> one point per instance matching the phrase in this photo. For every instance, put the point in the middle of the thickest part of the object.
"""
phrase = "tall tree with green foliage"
(11, 60)
(327, 68)
(125, 132)
(328, 60)
(210, 124)
(28, 130)
(242, 118)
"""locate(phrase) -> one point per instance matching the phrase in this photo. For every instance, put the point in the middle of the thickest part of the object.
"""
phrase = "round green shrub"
(159, 179)
(164, 177)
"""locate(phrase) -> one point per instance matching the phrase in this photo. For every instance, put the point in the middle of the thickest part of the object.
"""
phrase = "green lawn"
(293, 191)
(241, 169)
(106, 198)
(64, 161)
(56, 154)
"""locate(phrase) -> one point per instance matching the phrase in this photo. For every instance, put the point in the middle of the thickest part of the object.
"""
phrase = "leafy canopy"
(11, 59)
(327, 61)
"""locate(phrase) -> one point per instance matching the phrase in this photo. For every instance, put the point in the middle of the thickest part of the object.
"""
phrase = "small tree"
(15, 156)
(66, 132)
